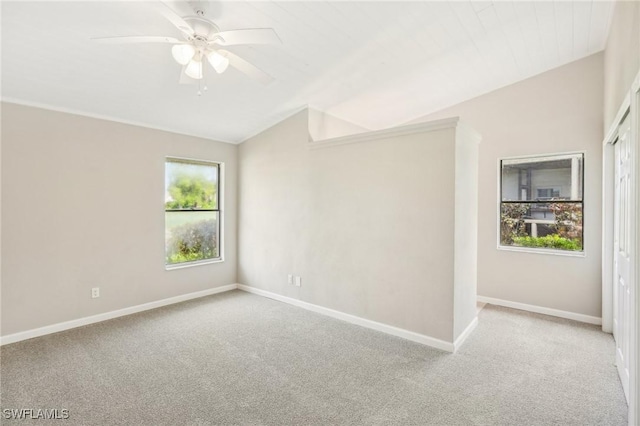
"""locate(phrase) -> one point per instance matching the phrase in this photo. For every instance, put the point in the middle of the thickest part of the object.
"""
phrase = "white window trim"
(221, 209)
(553, 252)
(192, 264)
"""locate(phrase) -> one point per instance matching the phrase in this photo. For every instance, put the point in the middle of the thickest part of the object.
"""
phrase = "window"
(548, 193)
(541, 202)
(192, 211)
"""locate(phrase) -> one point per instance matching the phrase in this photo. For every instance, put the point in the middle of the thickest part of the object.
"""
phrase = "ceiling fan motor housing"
(204, 29)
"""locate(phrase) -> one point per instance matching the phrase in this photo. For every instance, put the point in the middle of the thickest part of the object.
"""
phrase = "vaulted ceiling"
(377, 64)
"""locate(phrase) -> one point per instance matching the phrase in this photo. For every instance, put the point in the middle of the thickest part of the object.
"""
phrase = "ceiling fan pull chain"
(203, 81)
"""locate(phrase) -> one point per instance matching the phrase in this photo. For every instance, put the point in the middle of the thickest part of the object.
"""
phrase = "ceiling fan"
(203, 41)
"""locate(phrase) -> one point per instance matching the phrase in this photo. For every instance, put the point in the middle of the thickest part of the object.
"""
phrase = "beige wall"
(1, 172)
(368, 226)
(558, 111)
(465, 290)
(82, 207)
(326, 126)
(621, 58)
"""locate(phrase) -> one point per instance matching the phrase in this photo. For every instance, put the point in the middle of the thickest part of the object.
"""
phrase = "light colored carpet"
(237, 358)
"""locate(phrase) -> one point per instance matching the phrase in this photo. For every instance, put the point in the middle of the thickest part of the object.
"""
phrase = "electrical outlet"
(95, 292)
(290, 279)
(298, 281)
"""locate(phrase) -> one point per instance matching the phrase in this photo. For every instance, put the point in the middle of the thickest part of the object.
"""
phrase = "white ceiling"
(377, 64)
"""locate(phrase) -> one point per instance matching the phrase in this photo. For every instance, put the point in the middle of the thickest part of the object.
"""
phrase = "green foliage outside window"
(567, 227)
(192, 241)
(191, 190)
(568, 217)
(192, 216)
(553, 241)
(512, 222)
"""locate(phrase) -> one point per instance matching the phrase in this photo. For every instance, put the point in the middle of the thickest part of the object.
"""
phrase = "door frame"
(631, 105)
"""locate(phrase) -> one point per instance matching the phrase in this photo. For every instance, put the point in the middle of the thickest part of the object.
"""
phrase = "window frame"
(537, 250)
(220, 209)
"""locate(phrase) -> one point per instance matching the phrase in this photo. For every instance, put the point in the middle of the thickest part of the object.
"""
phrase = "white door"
(622, 291)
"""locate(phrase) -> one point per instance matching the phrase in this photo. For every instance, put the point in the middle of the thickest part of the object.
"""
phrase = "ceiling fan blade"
(135, 39)
(248, 36)
(247, 67)
(174, 18)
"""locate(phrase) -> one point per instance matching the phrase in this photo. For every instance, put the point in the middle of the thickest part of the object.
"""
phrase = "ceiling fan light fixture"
(183, 53)
(217, 61)
(194, 70)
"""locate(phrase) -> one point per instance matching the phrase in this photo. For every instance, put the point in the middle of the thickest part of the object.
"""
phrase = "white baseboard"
(541, 310)
(384, 328)
(463, 336)
(49, 329)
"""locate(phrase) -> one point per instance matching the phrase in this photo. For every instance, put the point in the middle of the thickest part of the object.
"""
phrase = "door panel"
(622, 259)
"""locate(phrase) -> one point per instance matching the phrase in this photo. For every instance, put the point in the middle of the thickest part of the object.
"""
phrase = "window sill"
(552, 252)
(191, 264)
